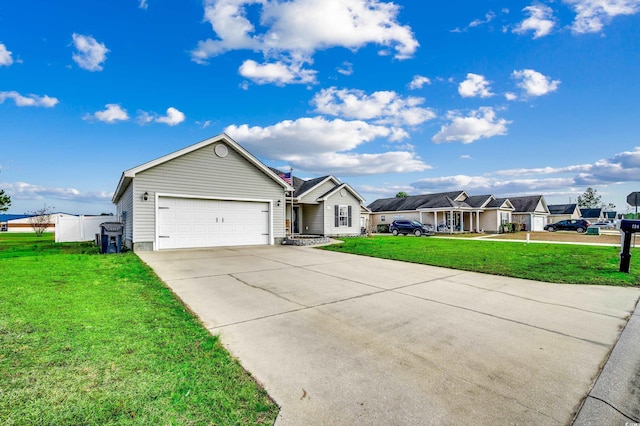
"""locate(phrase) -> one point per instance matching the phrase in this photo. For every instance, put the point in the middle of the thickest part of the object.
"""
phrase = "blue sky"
(493, 97)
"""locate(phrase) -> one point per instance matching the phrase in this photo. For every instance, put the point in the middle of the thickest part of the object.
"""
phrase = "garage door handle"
(163, 236)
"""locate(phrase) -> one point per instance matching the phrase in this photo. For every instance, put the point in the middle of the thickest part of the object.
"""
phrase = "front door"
(296, 219)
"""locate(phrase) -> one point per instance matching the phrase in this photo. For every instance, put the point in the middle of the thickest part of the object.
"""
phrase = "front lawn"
(98, 339)
(559, 263)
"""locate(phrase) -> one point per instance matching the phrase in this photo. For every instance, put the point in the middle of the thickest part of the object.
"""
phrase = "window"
(382, 218)
(343, 216)
(504, 218)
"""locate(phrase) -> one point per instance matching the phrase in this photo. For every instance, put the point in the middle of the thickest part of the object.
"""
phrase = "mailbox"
(627, 227)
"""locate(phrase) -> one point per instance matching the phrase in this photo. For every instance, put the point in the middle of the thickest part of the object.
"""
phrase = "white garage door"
(188, 223)
(538, 223)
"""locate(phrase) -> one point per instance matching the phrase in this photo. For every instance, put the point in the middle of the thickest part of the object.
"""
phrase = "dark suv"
(578, 225)
(406, 227)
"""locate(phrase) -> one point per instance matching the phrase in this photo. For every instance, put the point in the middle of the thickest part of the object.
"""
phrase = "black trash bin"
(111, 237)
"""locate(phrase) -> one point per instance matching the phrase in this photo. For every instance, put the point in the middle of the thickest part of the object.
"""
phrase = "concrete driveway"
(343, 339)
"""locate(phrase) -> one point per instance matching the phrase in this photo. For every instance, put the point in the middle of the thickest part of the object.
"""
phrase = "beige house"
(447, 212)
(558, 212)
(530, 211)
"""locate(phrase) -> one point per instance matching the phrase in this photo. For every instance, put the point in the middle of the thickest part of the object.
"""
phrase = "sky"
(506, 97)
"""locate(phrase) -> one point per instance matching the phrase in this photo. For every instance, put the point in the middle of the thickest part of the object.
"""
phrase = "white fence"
(79, 228)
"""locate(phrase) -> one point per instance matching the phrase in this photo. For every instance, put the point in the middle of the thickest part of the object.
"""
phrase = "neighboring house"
(325, 206)
(213, 193)
(216, 193)
(559, 212)
(23, 222)
(450, 212)
(592, 215)
(532, 211)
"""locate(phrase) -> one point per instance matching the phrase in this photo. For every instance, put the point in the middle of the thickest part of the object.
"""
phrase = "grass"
(98, 339)
(558, 263)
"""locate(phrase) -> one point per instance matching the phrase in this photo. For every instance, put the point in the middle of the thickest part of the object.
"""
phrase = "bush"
(382, 229)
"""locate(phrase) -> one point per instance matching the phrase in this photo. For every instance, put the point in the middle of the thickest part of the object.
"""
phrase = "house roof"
(590, 212)
(307, 185)
(414, 202)
(338, 188)
(499, 203)
(479, 200)
(128, 175)
(527, 204)
(6, 217)
(562, 208)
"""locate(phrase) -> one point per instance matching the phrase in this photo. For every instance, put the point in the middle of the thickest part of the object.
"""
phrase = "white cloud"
(534, 83)
(540, 21)
(319, 146)
(488, 17)
(5, 56)
(111, 114)
(143, 4)
(29, 191)
(360, 164)
(418, 82)
(173, 117)
(592, 15)
(90, 54)
(510, 96)
(474, 86)
(384, 107)
(295, 29)
(481, 123)
(29, 100)
(466, 157)
(490, 185)
(346, 68)
(278, 73)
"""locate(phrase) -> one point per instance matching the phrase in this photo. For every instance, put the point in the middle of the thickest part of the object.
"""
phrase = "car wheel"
(580, 230)
(551, 229)
(395, 232)
(417, 232)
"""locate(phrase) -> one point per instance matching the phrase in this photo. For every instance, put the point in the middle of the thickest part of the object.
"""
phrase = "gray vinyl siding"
(313, 219)
(125, 214)
(202, 173)
(329, 218)
(312, 196)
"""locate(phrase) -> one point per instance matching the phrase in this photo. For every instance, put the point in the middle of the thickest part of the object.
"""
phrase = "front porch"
(451, 221)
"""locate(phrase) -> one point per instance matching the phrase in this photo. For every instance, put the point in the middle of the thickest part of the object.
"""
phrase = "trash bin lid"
(112, 226)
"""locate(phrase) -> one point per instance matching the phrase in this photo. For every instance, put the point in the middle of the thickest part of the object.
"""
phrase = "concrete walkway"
(343, 339)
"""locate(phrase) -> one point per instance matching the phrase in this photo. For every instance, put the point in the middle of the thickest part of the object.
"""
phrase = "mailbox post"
(627, 227)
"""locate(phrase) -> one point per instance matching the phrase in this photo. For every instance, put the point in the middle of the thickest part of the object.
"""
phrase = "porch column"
(451, 222)
(478, 221)
(435, 221)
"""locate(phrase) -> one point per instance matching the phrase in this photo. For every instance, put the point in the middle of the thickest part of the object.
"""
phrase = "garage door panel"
(187, 223)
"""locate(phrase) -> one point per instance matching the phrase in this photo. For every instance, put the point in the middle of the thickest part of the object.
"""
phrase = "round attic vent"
(343, 192)
(221, 150)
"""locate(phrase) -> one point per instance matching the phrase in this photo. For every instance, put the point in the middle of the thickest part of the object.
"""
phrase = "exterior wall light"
(278, 203)
(145, 196)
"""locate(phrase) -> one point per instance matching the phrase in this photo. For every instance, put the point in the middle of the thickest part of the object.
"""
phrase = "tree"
(402, 194)
(589, 200)
(5, 201)
(40, 219)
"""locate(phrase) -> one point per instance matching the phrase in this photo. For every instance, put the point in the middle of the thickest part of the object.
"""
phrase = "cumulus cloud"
(474, 86)
(278, 73)
(5, 56)
(111, 114)
(384, 107)
(418, 82)
(90, 54)
(29, 100)
(294, 30)
(318, 145)
(534, 83)
(346, 68)
(540, 21)
(173, 117)
(593, 15)
(143, 4)
(621, 168)
(29, 191)
(479, 124)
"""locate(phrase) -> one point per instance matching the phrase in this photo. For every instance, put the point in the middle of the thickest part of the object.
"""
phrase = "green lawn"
(98, 339)
(559, 263)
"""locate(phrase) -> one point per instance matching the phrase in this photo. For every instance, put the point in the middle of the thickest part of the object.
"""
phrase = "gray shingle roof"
(478, 200)
(413, 202)
(562, 208)
(526, 204)
(590, 212)
(300, 185)
(498, 202)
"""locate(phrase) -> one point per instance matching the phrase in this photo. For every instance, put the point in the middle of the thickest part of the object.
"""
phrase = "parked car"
(406, 227)
(604, 225)
(579, 225)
